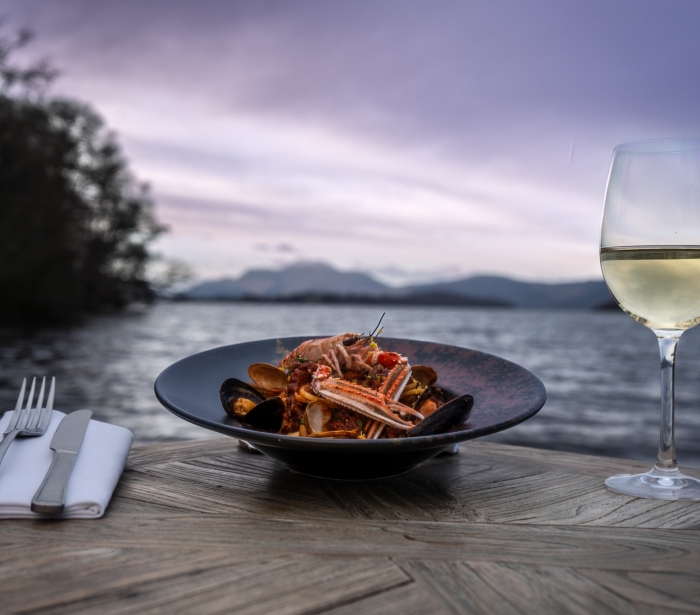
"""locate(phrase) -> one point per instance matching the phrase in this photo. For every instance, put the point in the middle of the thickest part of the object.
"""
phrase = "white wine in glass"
(658, 286)
(650, 257)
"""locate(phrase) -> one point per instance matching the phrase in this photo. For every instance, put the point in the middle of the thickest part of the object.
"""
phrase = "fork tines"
(28, 418)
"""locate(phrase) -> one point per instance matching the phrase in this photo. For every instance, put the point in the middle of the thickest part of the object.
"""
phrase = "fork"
(29, 421)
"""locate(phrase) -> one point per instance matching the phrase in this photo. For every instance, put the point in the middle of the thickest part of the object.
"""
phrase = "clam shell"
(317, 416)
(268, 377)
(424, 374)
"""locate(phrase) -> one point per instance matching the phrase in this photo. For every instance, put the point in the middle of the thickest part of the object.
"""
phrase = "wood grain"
(204, 527)
(476, 485)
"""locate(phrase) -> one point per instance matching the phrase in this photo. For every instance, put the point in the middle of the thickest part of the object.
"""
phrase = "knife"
(50, 497)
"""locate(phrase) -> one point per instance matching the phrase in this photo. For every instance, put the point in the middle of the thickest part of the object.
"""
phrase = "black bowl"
(505, 394)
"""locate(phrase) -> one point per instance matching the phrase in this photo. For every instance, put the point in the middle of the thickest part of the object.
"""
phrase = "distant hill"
(292, 280)
(415, 299)
(591, 294)
(323, 284)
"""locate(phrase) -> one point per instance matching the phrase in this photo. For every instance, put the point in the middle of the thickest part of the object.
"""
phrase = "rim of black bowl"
(346, 445)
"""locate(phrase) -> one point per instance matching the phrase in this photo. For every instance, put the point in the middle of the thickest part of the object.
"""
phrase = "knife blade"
(50, 497)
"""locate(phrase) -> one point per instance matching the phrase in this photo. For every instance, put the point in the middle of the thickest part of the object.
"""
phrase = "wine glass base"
(658, 484)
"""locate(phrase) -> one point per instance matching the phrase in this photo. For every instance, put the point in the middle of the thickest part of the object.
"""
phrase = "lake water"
(600, 368)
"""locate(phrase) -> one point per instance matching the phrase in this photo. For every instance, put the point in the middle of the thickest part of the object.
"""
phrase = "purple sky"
(414, 140)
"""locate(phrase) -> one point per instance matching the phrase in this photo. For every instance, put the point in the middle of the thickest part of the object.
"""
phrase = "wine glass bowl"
(650, 258)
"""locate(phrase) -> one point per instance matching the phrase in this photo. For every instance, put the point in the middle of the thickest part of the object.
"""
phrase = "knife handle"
(51, 496)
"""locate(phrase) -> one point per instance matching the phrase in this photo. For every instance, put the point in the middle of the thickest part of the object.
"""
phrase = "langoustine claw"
(373, 404)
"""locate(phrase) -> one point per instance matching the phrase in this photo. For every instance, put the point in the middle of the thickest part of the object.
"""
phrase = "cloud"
(280, 247)
(426, 137)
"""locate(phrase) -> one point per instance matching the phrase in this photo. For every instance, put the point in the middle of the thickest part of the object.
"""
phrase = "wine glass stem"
(668, 341)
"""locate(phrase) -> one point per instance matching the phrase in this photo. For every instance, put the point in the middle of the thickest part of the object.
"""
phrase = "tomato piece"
(388, 359)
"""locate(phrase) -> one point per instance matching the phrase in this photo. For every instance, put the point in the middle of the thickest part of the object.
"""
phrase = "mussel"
(430, 400)
(245, 403)
(447, 417)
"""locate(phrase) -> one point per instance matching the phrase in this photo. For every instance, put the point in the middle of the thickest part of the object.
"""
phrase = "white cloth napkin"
(97, 469)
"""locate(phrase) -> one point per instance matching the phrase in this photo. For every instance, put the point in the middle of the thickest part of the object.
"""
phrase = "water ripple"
(600, 368)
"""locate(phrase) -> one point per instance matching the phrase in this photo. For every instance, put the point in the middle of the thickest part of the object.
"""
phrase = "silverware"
(50, 497)
(27, 422)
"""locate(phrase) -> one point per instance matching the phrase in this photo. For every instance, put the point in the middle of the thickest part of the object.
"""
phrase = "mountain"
(315, 282)
(592, 294)
(293, 280)
(414, 299)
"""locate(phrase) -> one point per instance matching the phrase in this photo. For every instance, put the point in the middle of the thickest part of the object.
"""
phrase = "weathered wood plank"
(221, 485)
(481, 488)
(72, 574)
(583, 547)
(204, 527)
(410, 599)
(557, 498)
(504, 484)
(283, 586)
(589, 465)
(660, 590)
(145, 454)
(487, 588)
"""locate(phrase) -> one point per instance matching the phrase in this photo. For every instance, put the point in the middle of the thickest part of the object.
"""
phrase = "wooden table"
(204, 527)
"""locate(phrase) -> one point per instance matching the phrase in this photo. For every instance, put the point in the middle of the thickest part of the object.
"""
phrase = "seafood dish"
(347, 387)
(504, 393)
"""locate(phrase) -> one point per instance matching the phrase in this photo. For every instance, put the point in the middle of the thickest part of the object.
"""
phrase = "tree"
(75, 225)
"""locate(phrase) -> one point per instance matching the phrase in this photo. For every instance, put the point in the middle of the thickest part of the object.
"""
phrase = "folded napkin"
(97, 469)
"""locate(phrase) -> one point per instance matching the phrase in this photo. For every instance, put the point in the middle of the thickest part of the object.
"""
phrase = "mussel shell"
(446, 417)
(267, 415)
(233, 389)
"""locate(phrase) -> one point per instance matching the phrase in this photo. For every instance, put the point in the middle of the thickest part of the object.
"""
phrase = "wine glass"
(650, 257)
